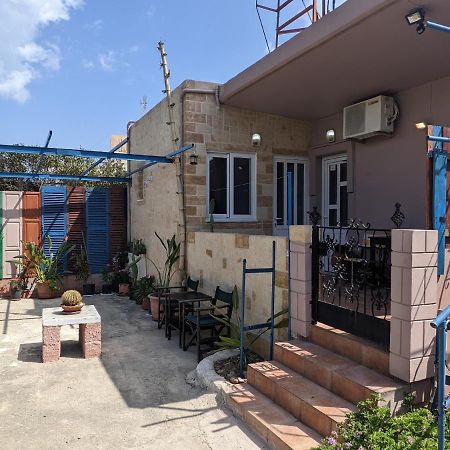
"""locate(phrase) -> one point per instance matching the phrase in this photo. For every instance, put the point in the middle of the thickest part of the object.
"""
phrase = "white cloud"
(86, 64)
(134, 48)
(22, 56)
(96, 25)
(108, 60)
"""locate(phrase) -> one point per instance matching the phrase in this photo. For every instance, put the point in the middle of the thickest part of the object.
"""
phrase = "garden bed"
(229, 367)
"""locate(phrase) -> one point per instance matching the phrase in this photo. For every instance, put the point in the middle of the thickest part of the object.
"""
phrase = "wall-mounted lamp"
(193, 159)
(417, 18)
(256, 140)
(421, 125)
(331, 136)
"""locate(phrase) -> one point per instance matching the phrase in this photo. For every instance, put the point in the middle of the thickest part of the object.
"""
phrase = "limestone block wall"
(226, 129)
(216, 260)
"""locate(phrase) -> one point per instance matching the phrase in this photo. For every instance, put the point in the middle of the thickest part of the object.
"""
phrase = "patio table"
(181, 300)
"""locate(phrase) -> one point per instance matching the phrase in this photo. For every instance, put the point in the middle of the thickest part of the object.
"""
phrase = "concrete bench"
(90, 332)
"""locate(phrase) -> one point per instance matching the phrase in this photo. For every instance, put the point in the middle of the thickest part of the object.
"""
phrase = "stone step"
(274, 425)
(338, 374)
(357, 349)
(312, 404)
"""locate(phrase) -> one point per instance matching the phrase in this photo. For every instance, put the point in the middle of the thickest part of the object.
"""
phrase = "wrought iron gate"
(351, 279)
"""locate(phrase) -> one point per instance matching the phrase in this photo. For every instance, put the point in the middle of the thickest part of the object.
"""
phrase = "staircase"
(306, 392)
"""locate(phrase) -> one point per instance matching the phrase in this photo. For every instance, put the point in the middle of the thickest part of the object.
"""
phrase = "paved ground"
(135, 397)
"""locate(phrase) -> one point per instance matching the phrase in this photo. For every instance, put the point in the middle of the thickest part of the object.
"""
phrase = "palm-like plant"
(172, 250)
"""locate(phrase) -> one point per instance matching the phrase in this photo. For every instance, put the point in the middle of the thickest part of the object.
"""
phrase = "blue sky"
(81, 67)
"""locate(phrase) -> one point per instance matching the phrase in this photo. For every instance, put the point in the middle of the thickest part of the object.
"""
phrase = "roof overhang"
(362, 49)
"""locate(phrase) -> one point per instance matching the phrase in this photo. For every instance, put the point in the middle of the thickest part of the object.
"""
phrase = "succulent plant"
(71, 298)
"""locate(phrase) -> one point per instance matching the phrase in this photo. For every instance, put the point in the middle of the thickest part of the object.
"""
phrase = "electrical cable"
(262, 26)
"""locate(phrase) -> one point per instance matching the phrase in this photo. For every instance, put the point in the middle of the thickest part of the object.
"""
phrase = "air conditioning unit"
(369, 118)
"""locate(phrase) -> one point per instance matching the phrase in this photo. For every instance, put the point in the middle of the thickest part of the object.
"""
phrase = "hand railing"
(441, 325)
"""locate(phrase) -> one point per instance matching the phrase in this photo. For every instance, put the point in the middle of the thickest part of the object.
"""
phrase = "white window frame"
(230, 216)
(326, 162)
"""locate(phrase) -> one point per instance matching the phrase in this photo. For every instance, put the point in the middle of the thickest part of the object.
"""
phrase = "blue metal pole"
(439, 193)
(242, 324)
(113, 150)
(437, 26)
(272, 304)
(441, 355)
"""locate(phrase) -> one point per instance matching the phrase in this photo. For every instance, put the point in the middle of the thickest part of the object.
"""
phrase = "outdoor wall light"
(417, 17)
(331, 136)
(193, 159)
(421, 125)
(256, 140)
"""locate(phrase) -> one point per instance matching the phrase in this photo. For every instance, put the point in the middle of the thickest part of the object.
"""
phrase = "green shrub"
(373, 428)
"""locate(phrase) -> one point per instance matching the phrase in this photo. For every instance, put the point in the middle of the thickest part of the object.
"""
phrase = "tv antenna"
(144, 103)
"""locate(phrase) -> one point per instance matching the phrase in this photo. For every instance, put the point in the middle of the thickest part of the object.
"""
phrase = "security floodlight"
(417, 17)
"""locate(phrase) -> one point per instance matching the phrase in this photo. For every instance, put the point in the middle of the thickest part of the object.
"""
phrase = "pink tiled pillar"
(300, 237)
(414, 303)
(51, 344)
(91, 339)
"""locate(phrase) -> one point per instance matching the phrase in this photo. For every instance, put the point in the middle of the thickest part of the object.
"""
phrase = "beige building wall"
(216, 260)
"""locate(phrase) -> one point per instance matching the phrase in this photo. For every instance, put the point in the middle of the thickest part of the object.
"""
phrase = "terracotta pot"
(72, 309)
(146, 303)
(154, 307)
(124, 289)
(45, 291)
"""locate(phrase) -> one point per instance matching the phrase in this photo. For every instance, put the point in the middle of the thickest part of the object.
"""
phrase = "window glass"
(343, 205)
(344, 171)
(290, 190)
(332, 191)
(280, 193)
(242, 185)
(218, 191)
(300, 193)
(332, 219)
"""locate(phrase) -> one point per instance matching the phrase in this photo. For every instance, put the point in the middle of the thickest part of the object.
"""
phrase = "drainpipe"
(129, 125)
(185, 91)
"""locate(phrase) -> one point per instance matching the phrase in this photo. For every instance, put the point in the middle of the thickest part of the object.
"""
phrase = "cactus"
(71, 298)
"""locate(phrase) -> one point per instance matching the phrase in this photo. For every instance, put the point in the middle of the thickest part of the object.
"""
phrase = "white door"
(290, 197)
(334, 191)
(12, 230)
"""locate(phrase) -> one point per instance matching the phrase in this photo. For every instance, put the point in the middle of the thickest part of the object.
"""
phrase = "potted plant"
(142, 289)
(71, 302)
(25, 265)
(121, 281)
(164, 274)
(137, 247)
(133, 270)
(107, 280)
(82, 272)
(49, 269)
(16, 289)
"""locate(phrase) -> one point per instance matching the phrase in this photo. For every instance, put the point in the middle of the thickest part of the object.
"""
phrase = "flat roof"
(362, 49)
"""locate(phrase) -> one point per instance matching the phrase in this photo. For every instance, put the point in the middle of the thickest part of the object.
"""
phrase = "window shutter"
(117, 220)
(54, 220)
(97, 228)
(12, 230)
(31, 217)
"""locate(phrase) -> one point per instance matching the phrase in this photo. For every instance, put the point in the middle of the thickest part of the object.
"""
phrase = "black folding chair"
(201, 320)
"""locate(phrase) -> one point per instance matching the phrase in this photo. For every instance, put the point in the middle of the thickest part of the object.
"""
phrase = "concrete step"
(312, 404)
(338, 374)
(357, 349)
(277, 427)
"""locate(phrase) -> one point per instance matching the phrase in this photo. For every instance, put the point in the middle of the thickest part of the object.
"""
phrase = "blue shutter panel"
(54, 221)
(97, 219)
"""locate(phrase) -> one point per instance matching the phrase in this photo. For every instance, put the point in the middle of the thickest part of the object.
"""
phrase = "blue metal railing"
(441, 324)
(269, 324)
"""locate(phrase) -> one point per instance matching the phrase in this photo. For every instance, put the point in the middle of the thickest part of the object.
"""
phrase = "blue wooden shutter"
(97, 220)
(54, 220)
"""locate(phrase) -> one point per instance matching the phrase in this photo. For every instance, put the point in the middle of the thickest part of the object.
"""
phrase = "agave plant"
(172, 250)
(235, 327)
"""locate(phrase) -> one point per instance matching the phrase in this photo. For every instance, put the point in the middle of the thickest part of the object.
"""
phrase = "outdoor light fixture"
(193, 159)
(421, 125)
(331, 136)
(417, 17)
(256, 140)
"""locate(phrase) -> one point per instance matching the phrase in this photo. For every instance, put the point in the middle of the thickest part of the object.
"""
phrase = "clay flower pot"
(124, 289)
(146, 303)
(45, 291)
(154, 307)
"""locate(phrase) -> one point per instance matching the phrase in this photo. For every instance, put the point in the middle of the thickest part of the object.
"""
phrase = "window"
(232, 186)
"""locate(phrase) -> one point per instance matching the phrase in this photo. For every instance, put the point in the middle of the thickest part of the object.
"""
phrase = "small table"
(181, 299)
(90, 333)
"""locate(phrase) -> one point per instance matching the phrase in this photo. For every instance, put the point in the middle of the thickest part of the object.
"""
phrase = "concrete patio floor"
(134, 397)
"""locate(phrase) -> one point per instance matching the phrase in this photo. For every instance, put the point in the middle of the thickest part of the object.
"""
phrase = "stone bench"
(90, 332)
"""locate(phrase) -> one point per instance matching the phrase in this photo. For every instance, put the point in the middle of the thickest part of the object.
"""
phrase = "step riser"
(357, 351)
(334, 382)
(310, 416)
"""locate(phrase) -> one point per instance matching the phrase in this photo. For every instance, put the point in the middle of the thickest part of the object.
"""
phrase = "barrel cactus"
(71, 298)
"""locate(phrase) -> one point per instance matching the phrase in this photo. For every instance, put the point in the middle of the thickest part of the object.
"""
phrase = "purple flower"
(348, 445)
(332, 441)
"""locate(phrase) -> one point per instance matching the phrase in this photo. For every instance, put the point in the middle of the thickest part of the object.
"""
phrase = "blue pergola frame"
(150, 160)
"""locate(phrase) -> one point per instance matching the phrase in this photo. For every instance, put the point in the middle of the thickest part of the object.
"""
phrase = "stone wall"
(216, 260)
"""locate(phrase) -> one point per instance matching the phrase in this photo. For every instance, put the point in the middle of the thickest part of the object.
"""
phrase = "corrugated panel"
(12, 230)
(54, 221)
(117, 220)
(31, 217)
(97, 228)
